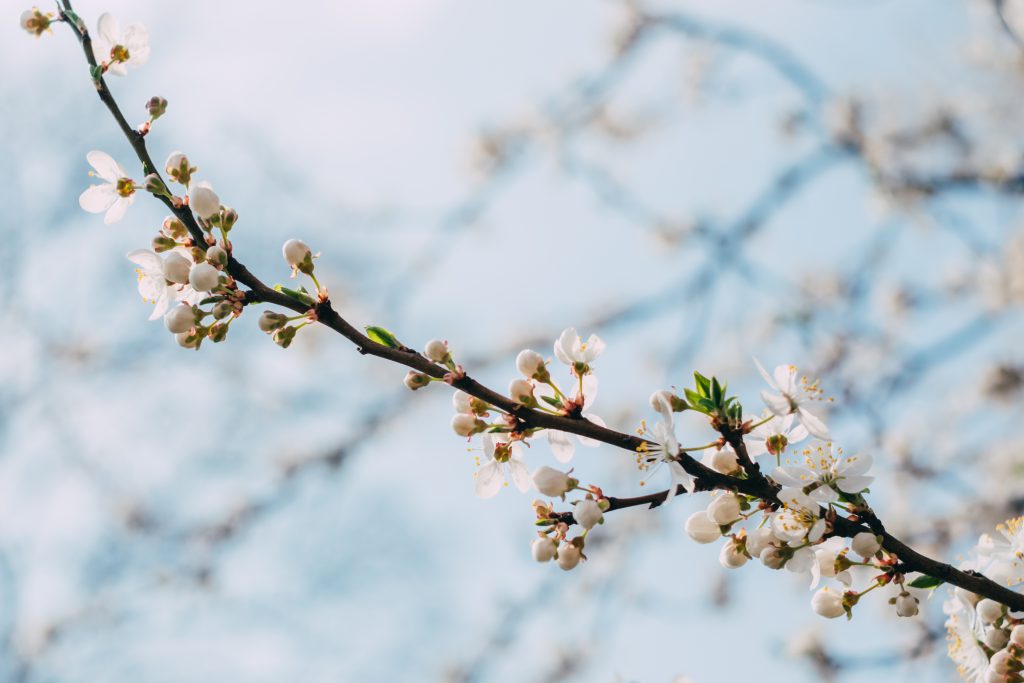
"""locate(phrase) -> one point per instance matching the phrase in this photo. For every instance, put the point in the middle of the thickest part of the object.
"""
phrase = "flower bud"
(758, 540)
(218, 332)
(521, 391)
(531, 365)
(724, 509)
(587, 513)
(989, 611)
(467, 425)
(666, 398)
(295, 253)
(1017, 635)
(732, 555)
(996, 638)
(175, 228)
(828, 603)
(156, 106)
(462, 402)
(285, 336)
(725, 461)
(35, 22)
(543, 549)
(865, 544)
(1002, 662)
(176, 268)
(568, 556)
(162, 243)
(552, 482)
(204, 201)
(416, 380)
(187, 340)
(228, 218)
(154, 184)
(702, 528)
(178, 168)
(217, 256)
(222, 309)
(437, 351)
(272, 321)
(773, 557)
(906, 605)
(203, 277)
(180, 319)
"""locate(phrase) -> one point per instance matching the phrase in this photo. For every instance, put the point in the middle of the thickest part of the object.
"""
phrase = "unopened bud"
(162, 243)
(437, 351)
(865, 544)
(188, 340)
(175, 228)
(155, 185)
(462, 402)
(178, 168)
(298, 256)
(416, 380)
(467, 425)
(228, 218)
(217, 256)
(222, 309)
(552, 482)
(285, 336)
(543, 549)
(176, 268)
(732, 555)
(272, 321)
(587, 513)
(702, 528)
(521, 391)
(218, 331)
(156, 106)
(204, 201)
(569, 555)
(180, 319)
(531, 365)
(203, 277)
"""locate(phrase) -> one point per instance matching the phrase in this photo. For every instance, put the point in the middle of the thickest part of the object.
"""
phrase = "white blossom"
(543, 549)
(180, 319)
(775, 435)
(113, 196)
(203, 200)
(119, 50)
(153, 285)
(828, 603)
(552, 482)
(568, 556)
(732, 555)
(793, 394)
(702, 528)
(502, 460)
(574, 352)
(587, 513)
(824, 475)
(865, 544)
(724, 509)
(562, 446)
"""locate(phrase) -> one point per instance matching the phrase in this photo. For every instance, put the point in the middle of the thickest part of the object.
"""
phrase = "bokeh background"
(833, 183)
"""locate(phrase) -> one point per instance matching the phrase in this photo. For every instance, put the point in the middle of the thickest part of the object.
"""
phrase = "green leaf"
(382, 337)
(692, 397)
(301, 297)
(926, 581)
(716, 391)
(552, 401)
(703, 384)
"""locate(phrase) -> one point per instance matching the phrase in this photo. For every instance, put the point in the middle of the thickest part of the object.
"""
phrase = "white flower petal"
(561, 445)
(764, 373)
(105, 166)
(777, 404)
(108, 29)
(116, 210)
(98, 198)
(813, 424)
(148, 259)
(586, 440)
(855, 484)
(520, 475)
(488, 480)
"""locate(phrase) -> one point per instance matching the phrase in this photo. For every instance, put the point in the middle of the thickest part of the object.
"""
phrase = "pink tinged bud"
(177, 167)
(467, 425)
(552, 482)
(702, 528)
(773, 557)
(521, 392)
(156, 106)
(204, 201)
(543, 549)
(989, 611)
(203, 277)
(724, 509)
(1017, 635)
(531, 364)
(437, 351)
(865, 544)
(176, 268)
(1002, 662)
(295, 252)
(587, 513)
(568, 556)
(416, 380)
(732, 555)
(462, 402)
(828, 603)
(217, 256)
(180, 319)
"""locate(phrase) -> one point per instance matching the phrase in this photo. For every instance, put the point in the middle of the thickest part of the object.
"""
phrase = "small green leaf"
(926, 582)
(301, 297)
(703, 384)
(382, 337)
(552, 401)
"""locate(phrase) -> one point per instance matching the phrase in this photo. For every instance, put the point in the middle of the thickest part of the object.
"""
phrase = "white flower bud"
(989, 611)
(1002, 662)
(187, 342)
(416, 380)
(552, 482)
(1017, 635)
(826, 558)
(758, 540)
(661, 399)
(217, 256)
(828, 603)
(568, 556)
(543, 549)
(462, 402)
(725, 461)
(521, 392)
(702, 528)
(732, 556)
(724, 509)
(865, 544)
(271, 321)
(294, 252)
(175, 268)
(203, 277)
(436, 350)
(177, 167)
(772, 557)
(529, 363)
(204, 201)
(587, 513)
(996, 638)
(180, 319)
(467, 425)
(993, 676)
(906, 605)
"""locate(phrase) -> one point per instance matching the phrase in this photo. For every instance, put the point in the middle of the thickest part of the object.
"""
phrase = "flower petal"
(520, 475)
(147, 258)
(105, 166)
(561, 445)
(97, 198)
(814, 424)
(855, 483)
(564, 344)
(764, 373)
(116, 210)
(136, 39)
(488, 480)
(777, 404)
(108, 29)
(855, 464)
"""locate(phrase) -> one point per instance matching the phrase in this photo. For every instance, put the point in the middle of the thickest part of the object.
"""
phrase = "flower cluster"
(984, 638)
